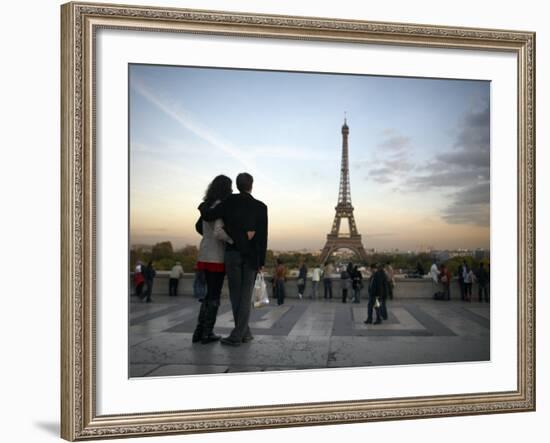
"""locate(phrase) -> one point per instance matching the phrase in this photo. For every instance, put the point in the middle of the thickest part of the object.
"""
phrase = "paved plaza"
(306, 334)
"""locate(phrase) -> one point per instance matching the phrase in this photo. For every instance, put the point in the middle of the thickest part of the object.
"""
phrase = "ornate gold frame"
(79, 420)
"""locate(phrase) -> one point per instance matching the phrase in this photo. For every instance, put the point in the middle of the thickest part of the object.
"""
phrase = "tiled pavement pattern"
(306, 334)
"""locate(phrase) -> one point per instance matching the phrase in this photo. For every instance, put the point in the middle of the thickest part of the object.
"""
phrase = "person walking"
(302, 279)
(175, 274)
(327, 279)
(482, 283)
(357, 284)
(468, 282)
(315, 280)
(245, 221)
(279, 278)
(149, 275)
(210, 260)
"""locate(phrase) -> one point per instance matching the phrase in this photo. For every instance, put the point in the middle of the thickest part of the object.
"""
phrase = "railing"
(405, 288)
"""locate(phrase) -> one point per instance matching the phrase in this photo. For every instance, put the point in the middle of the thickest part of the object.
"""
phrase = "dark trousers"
(173, 286)
(344, 295)
(327, 282)
(462, 289)
(240, 278)
(209, 305)
(214, 284)
(139, 289)
(467, 291)
(483, 290)
(314, 289)
(279, 291)
(447, 291)
(148, 289)
(356, 295)
(383, 308)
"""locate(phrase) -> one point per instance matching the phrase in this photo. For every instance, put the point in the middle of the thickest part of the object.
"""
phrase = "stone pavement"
(306, 334)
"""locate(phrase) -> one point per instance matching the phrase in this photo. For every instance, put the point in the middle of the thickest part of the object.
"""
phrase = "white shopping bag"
(260, 297)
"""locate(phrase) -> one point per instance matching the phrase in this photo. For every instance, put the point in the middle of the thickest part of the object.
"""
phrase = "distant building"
(441, 255)
(481, 254)
(461, 253)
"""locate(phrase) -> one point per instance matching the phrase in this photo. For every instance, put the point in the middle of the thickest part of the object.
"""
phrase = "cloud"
(461, 174)
(380, 171)
(394, 142)
(395, 150)
(465, 170)
(383, 179)
(184, 118)
(470, 206)
(286, 153)
(467, 159)
(450, 178)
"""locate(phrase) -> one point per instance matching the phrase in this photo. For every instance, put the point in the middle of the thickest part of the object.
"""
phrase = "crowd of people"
(441, 281)
(233, 227)
(380, 284)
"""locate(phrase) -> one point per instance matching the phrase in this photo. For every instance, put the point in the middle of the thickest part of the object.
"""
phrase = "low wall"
(404, 288)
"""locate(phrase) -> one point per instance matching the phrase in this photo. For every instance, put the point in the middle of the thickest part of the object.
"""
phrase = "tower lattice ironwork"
(344, 210)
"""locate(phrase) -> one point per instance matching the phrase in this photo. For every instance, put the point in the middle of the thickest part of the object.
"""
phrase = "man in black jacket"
(245, 221)
(378, 292)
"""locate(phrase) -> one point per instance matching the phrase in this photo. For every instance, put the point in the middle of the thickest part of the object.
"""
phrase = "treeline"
(164, 256)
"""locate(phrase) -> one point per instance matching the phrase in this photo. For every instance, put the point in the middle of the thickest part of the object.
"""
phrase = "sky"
(419, 154)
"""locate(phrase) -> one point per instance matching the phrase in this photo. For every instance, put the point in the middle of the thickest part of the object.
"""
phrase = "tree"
(162, 250)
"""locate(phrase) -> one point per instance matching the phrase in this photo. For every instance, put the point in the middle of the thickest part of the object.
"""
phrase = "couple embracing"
(234, 243)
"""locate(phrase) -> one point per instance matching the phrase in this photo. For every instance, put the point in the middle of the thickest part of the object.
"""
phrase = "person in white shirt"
(328, 270)
(315, 279)
(434, 273)
(434, 276)
(469, 278)
(175, 274)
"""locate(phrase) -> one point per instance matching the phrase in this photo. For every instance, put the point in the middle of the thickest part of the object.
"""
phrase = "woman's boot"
(197, 335)
(211, 313)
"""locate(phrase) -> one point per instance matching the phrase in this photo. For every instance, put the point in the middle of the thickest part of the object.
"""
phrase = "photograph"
(274, 220)
(288, 220)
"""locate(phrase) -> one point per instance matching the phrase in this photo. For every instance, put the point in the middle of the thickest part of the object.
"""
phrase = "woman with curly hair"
(211, 260)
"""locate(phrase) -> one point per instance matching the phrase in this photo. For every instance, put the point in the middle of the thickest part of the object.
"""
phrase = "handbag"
(260, 297)
(300, 281)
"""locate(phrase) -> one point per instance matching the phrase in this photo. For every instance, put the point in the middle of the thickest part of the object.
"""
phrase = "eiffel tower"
(344, 210)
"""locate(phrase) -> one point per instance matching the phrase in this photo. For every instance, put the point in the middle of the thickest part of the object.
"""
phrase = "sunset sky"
(419, 154)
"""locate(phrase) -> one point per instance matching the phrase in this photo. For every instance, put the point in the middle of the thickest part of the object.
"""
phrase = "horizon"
(419, 176)
(418, 250)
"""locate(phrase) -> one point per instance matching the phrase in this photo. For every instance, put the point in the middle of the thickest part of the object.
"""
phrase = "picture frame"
(79, 205)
